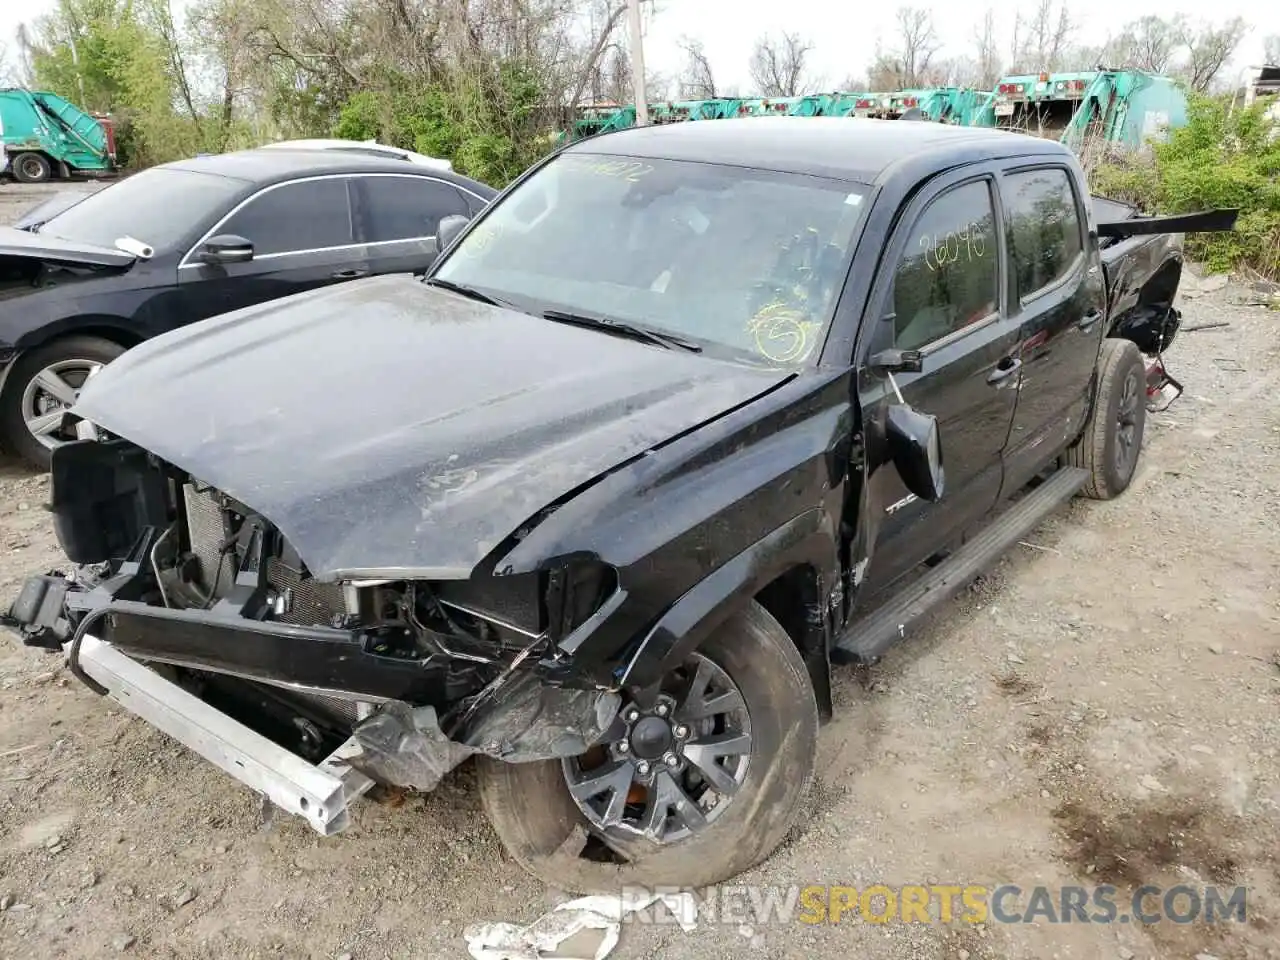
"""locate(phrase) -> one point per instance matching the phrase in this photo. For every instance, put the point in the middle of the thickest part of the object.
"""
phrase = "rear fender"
(807, 540)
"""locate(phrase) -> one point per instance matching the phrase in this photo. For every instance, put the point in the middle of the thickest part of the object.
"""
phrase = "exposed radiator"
(306, 602)
(206, 528)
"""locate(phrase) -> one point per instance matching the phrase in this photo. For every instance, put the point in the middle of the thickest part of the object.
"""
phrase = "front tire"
(549, 834)
(43, 383)
(31, 168)
(1111, 444)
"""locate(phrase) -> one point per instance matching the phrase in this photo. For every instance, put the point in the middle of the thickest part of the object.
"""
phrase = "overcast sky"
(844, 33)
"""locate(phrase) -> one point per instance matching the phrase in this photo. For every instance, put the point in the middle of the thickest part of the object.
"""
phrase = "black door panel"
(302, 236)
(945, 299)
(1058, 281)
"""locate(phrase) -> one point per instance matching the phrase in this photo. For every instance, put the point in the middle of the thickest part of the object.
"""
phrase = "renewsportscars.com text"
(965, 903)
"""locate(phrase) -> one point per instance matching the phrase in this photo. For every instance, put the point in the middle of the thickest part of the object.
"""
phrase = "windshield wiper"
(469, 292)
(644, 334)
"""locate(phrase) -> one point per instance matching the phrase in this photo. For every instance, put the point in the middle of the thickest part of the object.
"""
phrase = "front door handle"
(348, 274)
(1091, 317)
(1007, 368)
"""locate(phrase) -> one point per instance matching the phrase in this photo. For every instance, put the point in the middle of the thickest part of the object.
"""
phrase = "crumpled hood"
(387, 427)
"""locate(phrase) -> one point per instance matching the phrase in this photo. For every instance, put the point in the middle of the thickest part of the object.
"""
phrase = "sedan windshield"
(160, 207)
(750, 260)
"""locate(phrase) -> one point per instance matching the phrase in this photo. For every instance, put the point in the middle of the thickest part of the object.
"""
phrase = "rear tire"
(1111, 445)
(71, 361)
(546, 832)
(31, 168)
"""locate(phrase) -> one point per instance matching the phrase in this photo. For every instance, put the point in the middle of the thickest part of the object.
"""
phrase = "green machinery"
(1125, 107)
(1122, 107)
(593, 120)
(946, 104)
(43, 136)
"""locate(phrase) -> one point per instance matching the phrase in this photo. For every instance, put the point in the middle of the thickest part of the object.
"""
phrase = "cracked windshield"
(747, 260)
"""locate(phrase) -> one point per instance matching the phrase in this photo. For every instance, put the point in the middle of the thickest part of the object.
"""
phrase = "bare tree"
(987, 61)
(778, 66)
(696, 82)
(1152, 42)
(1047, 36)
(885, 73)
(8, 70)
(1271, 50)
(1209, 48)
(1015, 45)
(918, 43)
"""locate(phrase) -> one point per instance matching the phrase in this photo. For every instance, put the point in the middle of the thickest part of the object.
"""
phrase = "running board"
(866, 639)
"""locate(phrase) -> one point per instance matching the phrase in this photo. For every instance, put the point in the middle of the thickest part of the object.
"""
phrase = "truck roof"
(838, 147)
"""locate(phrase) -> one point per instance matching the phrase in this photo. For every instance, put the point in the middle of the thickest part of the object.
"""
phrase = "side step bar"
(319, 794)
(866, 639)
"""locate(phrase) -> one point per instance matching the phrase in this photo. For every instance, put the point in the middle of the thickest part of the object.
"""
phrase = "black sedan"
(190, 240)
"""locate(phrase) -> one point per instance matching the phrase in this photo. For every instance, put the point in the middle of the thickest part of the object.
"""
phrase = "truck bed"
(1141, 272)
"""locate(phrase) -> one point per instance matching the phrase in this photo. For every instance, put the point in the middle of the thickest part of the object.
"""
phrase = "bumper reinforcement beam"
(320, 794)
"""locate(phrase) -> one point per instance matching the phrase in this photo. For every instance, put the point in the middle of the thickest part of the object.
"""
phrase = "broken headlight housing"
(514, 609)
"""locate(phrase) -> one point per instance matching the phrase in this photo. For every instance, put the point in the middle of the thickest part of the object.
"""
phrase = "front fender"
(808, 539)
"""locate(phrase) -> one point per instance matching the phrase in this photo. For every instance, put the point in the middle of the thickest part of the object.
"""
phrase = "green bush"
(1221, 158)
(488, 123)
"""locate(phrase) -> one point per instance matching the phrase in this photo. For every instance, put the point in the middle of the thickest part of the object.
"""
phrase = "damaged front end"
(196, 613)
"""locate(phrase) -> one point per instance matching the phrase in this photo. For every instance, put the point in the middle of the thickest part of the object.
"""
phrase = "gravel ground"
(1102, 708)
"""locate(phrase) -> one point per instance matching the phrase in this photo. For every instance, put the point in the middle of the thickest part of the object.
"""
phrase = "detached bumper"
(320, 794)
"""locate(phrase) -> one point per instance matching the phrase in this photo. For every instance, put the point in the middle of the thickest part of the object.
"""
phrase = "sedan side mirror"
(449, 229)
(916, 448)
(226, 248)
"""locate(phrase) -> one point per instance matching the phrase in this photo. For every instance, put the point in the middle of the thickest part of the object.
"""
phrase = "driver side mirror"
(915, 446)
(897, 361)
(226, 248)
(449, 229)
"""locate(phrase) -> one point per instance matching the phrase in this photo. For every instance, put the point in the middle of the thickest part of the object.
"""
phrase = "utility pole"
(637, 63)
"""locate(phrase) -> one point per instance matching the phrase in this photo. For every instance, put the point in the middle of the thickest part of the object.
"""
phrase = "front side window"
(407, 208)
(307, 215)
(948, 277)
(750, 260)
(1044, 227)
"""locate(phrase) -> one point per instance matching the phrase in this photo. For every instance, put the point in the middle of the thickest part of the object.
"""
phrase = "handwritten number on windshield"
(967, 244)
(629, 170)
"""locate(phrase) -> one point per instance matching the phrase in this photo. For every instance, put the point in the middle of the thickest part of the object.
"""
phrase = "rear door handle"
(1008, 367)
(1089, 319)
(348, 274)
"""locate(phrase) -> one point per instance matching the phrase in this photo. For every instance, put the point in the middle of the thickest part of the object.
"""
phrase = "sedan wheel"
(52, 392)
(43, 383)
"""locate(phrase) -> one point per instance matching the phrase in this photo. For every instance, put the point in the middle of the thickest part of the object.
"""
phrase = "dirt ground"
(1103, 708)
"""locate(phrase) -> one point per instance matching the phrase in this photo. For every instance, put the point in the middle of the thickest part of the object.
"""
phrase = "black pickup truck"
(688, 414)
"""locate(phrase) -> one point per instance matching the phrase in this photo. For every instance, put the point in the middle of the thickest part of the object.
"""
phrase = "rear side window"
(1044, 227)
(407, 208)
(307, 215)
(948, 276)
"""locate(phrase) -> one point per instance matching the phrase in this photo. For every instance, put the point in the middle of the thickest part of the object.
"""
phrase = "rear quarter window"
(1045, 242)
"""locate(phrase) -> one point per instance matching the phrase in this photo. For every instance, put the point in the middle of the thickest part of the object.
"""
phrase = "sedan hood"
(23, 243)
(392, 429)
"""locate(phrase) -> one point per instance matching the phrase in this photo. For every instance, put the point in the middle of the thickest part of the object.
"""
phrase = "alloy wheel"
(50, 393)
(1127, 412)
(667, 770)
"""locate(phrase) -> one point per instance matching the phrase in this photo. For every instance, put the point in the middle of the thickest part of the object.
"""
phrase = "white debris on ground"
(584, 929)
